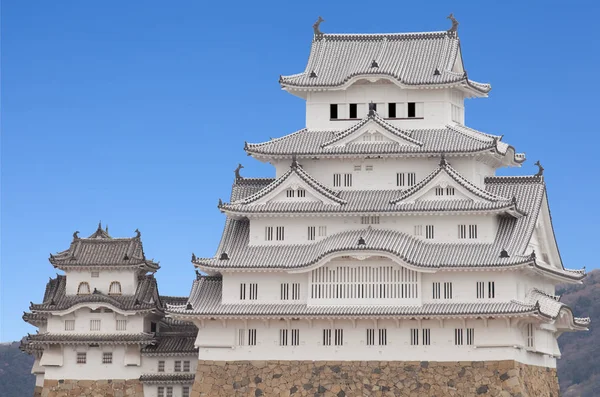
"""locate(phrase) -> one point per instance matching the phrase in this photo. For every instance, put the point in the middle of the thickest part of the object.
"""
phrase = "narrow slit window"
(382, 337)
(177, 367)
(322, 231)
(462, 231)
(491, 289)
(439, 191)
(253, 291)
(429, 232)
(418, 230)
(81, 358)
(437, 290)
(530, 335)
(242, 291)
(392, 110)
(450, 191)
(337, 180)
(186, 366)
(333, 111)
(327, 337)
(285, 291)
(353, 110)
(447, 290)
(252, 337)
(480, 290)
(121, 325)
(290, 193)
(161, 391)
(295, 337)
(470, 336)
(283, 337)
(339, 337)
(185, 391)
(414, 336)
(426, 336)
(347, 180)
(458, 336)
(370, 336)
(311, 232)
(472, 231)
(161, 366)
(296, 291)
(69, 325)
(280, 235)
(269, 233)
(412, 109)
(95, 325)
(301, 192)
(169, 391)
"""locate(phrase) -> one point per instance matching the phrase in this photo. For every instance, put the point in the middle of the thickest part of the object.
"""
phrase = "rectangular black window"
(412, 109)
(392, 110)
(152, 327)
(333, 111)
(353, 111)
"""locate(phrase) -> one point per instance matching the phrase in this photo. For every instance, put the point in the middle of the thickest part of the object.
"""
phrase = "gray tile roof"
(144, 299)
(415, 59)
(101, 250)
(168, 378)
(36, 319)
(372, 201)
(73, 338)
(452, 139)
(173, 343)
(513, 236)
(550, 307)
(300, 173)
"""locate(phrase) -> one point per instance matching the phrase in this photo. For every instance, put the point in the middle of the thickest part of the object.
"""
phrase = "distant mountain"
(16, 379)
(578, 370)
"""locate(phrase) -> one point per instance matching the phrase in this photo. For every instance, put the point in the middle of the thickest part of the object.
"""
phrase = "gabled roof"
(513, 237)
(374, 118)
(56, 299)
(410, 59)
(295, 170)
(451, 139)
(100, 250)
(445, 169)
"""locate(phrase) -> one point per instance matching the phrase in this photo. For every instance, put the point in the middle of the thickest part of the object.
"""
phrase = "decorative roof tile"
(415, 59)
(172, 343)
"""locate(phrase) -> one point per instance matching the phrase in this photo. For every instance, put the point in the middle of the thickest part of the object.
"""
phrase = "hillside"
(578, 370)
(15, 367)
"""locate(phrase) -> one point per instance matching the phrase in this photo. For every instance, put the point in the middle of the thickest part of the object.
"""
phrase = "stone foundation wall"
(37, 392)
(373, 378)
(92, 388)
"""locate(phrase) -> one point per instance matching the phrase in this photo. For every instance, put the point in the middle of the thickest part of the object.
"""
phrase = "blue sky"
(135, 113)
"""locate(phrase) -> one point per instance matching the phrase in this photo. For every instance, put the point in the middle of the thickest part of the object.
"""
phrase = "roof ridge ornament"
(312, 75)
(75, 235)
(540, 169)
(316, 25)
(237, 172)
(372, 109)
(294, 164)
(138, 234)
(504, 254)
(454, 28)
(193, 257)
(374, 64)
(436, 72)
(443, 161)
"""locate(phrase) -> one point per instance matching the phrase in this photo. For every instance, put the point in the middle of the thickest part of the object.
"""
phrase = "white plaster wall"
(445, 227)
(437, 110)
(464, 285)
(494, 342)
(383, 176)
(108, 322)
(269, 286)
(127, 278)
(150, 363)
(93, 369)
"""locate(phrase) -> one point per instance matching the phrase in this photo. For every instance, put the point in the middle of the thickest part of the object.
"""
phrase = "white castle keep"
(384, 236)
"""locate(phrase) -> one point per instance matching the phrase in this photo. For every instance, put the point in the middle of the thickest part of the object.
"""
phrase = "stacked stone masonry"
(92, 388)
(373, 378)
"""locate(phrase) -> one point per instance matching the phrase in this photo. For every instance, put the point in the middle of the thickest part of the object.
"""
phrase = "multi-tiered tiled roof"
(410, 59)
(100, 250)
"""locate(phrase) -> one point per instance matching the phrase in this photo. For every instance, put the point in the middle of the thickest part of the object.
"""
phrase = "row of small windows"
(160, 391)
(107, 358)
(359, 168)
(179, 366)
(486, 290)
(440, 191)
(403, 179)
(96, 325)
(278, 232)
(394, 110)
(374, 337)
(252, 289)
(295, 193)
(340, 180)
(113, 289)
(285, 291)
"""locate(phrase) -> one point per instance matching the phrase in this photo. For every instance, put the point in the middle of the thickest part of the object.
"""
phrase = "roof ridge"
(248, 145)
(496, 179)
(395, 35)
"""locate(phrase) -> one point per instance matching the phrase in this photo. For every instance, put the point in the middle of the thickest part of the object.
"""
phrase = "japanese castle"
(385, 245)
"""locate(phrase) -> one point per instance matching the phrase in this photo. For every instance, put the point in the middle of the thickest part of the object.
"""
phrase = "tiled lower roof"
(73, 338)
(452, 139)
(56, 299)
(550, 307)
(168, 378)
(35, 318)
(172, 344)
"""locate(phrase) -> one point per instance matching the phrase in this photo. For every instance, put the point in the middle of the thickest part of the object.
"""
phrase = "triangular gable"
(543, 240)
(295, 178)
(372, 127)
(447, 177)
